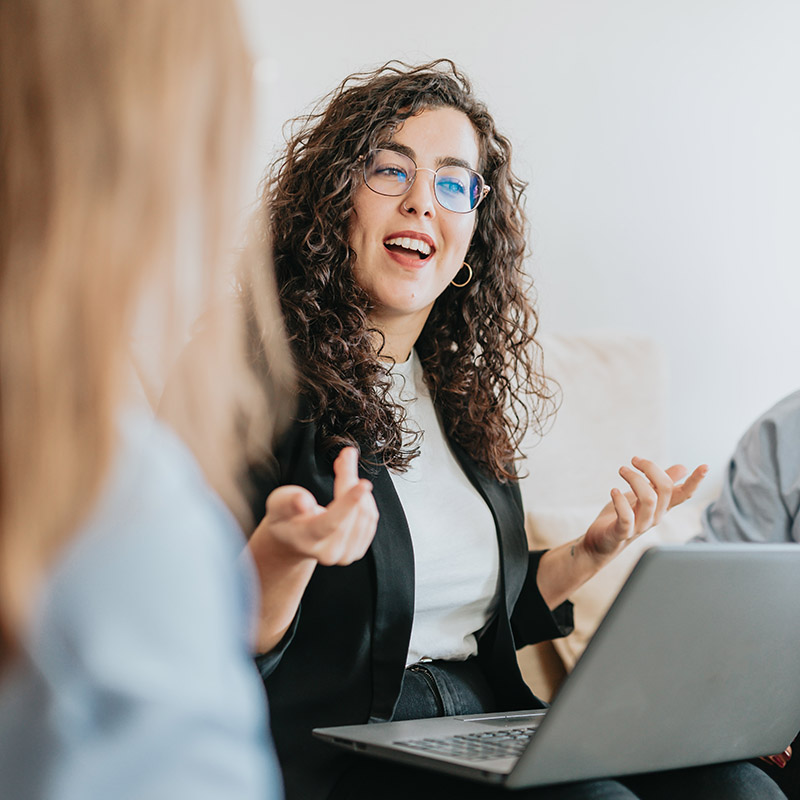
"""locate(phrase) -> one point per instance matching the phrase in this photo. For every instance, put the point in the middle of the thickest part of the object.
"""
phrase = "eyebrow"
(444, 161)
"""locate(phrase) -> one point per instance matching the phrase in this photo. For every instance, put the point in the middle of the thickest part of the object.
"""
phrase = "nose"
(420, 199)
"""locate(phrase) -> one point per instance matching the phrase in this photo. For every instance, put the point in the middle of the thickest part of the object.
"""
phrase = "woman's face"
(404, 282)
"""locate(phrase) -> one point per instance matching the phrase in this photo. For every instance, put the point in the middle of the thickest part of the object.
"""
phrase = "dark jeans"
(445, 688)
(374, 780)
(442, 689)
(788, 777)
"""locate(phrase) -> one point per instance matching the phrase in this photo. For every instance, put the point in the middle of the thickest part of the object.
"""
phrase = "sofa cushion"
(613, 407)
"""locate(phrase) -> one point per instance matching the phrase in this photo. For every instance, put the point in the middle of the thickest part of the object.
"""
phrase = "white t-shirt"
(456, 555)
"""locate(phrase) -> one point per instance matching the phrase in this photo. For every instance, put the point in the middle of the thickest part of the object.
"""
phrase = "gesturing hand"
(653, 492)
(300, 528)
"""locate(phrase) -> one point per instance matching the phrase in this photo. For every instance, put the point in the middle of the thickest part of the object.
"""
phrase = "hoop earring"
(460, 285)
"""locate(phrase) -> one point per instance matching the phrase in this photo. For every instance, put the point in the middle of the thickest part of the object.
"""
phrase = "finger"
(685, 490)
(677, 472)
(345, 471)
(660, 481)
(290, 511)
(286, 502)
(646, 497)
(368, 524)
(626, 520)
(352, 537)
(352, 546)
(332, 530)
(364, 527)
(353, 529)
(337, 512)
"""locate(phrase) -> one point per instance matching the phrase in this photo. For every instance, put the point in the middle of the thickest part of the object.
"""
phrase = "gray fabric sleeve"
(761, 493)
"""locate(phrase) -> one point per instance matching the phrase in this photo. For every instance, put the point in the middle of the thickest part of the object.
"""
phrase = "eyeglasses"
(390, 173)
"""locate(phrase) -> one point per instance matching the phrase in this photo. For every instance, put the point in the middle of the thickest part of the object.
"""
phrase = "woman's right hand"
(338, 533)
(297, 534)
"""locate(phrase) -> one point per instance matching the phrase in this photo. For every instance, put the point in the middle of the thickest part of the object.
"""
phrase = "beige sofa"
(614, 407)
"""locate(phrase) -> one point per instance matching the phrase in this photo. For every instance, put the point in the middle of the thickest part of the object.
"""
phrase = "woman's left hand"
(653, 492)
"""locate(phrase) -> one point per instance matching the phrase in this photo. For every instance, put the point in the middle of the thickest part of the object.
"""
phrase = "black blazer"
(342, 660)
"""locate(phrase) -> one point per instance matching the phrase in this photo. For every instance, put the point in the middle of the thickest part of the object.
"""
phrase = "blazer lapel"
(510, 525)
(393, 557)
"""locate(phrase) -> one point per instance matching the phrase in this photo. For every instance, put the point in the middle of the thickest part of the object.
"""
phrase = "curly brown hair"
(480, 359)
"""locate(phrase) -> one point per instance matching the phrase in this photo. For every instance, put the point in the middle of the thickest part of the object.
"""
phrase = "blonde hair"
(118, 118)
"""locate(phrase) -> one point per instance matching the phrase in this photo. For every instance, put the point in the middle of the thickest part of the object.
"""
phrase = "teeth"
(411, 244)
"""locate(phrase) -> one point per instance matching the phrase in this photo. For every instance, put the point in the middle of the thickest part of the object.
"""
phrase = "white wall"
(662, 144)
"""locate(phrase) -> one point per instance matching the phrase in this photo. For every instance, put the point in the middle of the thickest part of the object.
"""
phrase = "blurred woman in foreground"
(125, 612)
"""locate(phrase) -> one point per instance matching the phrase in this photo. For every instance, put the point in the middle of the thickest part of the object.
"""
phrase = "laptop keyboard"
(509, 742)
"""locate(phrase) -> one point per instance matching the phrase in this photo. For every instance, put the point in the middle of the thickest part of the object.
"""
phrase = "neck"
(400, 334)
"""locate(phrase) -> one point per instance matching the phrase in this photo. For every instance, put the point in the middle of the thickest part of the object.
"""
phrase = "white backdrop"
(661, 141)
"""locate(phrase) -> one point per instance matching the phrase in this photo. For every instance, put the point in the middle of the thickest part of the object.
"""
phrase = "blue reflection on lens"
(474, 190)
(452, 193)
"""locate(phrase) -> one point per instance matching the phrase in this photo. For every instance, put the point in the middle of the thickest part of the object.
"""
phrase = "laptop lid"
(696, 662)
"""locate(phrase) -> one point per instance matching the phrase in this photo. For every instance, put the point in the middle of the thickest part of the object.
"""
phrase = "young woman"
(399, 238)
(125, 614)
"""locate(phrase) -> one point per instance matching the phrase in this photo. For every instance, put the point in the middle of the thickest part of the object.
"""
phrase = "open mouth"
(412, 248)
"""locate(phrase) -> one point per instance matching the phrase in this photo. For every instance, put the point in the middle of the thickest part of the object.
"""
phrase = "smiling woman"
(329, 228)
(394, 532)
(408, 247)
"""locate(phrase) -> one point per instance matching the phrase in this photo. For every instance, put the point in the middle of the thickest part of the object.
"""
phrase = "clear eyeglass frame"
(448, 180)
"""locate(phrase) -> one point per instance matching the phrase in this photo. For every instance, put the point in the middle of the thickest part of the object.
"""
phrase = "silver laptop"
(695, 663)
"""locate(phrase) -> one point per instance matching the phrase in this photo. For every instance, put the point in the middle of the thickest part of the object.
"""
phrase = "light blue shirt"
(137, 680)
(760, 499)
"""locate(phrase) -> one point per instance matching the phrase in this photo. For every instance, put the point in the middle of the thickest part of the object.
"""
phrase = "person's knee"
(732, 781)
(742, 781)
